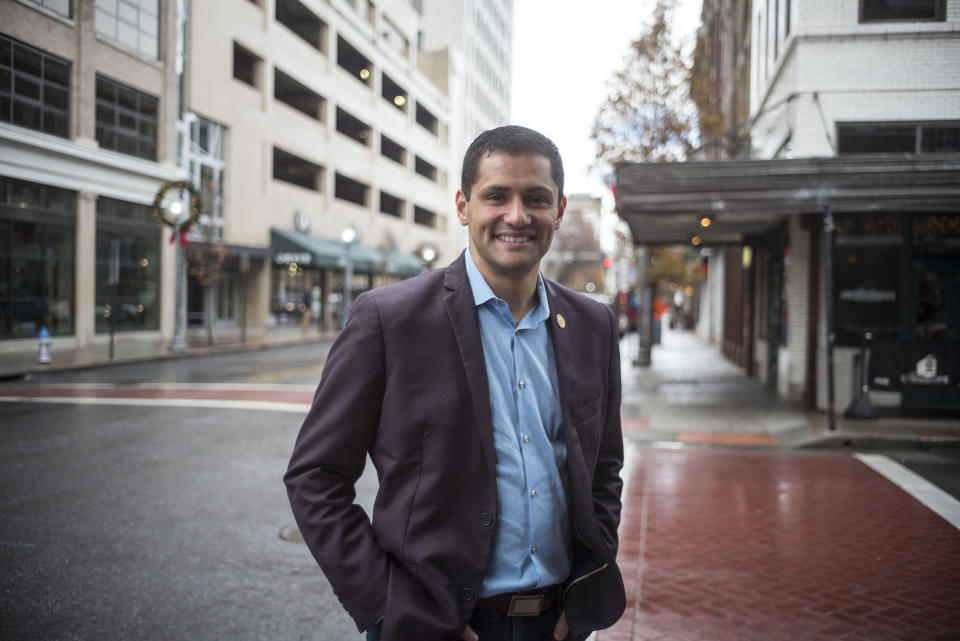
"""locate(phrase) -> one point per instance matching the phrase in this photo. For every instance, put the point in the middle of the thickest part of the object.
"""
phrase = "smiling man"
(488, 398)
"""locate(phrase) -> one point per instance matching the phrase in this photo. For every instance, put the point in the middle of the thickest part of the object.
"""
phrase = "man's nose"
(516, 212)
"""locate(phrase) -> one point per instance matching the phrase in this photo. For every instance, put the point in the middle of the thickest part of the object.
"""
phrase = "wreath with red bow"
(161, 214)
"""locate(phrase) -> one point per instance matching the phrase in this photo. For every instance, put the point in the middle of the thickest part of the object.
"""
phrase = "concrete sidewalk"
(17, 364)
(691, 394)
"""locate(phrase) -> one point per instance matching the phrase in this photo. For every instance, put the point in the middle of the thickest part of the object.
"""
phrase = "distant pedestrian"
(488, 398)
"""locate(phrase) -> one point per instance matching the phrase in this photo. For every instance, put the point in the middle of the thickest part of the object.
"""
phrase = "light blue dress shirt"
(533, 528)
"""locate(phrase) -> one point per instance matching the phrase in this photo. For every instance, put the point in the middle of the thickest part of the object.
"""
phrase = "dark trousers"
(491, 626)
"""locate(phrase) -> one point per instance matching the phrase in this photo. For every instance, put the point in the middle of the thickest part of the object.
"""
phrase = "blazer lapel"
(579, 494)
(466, 327)
(563, 355)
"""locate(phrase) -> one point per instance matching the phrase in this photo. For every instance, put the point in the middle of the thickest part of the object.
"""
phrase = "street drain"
(291, 534)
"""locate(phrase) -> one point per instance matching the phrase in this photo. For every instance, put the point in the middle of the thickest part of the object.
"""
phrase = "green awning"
(324, 253)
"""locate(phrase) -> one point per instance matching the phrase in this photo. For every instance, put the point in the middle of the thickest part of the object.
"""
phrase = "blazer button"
(486, 519)
(467, 594)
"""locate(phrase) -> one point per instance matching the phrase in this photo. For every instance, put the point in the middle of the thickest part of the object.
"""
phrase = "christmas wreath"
(163, 216)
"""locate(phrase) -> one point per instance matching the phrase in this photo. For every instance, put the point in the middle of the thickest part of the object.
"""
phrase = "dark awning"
(315, 251)
(664, 202)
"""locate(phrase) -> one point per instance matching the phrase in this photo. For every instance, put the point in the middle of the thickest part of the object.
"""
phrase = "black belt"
(528, 603)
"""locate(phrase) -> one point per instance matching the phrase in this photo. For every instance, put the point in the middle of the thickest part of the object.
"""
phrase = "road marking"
(252, 387)
(916, 486)
(296, 408)
(289, 373)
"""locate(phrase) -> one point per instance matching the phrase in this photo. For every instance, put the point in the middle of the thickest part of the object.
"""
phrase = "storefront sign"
(300, 258)
(900, 366)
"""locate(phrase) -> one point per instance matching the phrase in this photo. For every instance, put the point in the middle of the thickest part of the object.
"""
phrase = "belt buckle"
(525, 605)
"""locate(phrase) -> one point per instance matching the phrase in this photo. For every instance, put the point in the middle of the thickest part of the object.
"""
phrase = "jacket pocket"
(589, 410)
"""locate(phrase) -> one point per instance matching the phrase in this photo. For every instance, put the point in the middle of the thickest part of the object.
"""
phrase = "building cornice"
(42, 158)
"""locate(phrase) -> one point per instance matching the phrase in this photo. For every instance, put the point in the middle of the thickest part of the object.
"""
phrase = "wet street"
(144, 501)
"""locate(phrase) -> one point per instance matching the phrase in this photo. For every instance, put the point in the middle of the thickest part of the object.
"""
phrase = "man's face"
(513, 211)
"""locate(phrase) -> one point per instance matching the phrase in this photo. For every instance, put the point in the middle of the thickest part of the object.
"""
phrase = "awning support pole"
(828, 229)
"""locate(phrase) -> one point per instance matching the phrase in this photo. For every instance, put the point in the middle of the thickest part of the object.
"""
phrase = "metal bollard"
(44, 342)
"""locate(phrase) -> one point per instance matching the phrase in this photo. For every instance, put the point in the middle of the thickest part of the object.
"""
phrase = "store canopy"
(325, 253)
(663, 203)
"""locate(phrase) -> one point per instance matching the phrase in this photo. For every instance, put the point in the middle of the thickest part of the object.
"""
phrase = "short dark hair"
(513, 140)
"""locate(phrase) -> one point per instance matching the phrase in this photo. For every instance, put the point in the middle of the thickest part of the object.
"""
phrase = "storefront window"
(868, 260)
(36, 259)
(127, 234)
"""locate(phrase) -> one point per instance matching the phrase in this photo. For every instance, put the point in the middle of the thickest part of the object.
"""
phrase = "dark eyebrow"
(531, 190)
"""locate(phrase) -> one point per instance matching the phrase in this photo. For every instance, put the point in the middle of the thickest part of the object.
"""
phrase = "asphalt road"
(127, 522)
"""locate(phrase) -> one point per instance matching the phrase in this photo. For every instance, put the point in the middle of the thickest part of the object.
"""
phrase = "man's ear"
(462, 208)
(562, 206)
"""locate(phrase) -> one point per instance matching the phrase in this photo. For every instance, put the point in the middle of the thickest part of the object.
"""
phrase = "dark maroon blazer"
(406, 383)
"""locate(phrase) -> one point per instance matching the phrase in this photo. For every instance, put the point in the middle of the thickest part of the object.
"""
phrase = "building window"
(246, 66)
(425, 169)
(391, 205)
(902, 10)
(351, 190)
(37, 240)
(427, 120)
(126, 119)
(303, 22)
(206, 161)
(59, 7)
(134, 24)
(903, 137)
(392, 150)
(128, 256)
(393, 93)
(353, 61)
(300, 97)
(296, 170)
(353, 128)
(34, 88)
(424, 217)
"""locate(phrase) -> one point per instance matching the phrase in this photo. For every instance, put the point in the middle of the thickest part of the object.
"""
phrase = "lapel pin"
(561, 321)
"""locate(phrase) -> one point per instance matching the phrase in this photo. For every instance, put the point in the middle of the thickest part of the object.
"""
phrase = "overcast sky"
(564, 52)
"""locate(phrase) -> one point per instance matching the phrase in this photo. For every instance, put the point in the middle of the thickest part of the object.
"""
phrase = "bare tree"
(648, 114)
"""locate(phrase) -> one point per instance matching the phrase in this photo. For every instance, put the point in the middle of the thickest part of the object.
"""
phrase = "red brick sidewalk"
(731, 545)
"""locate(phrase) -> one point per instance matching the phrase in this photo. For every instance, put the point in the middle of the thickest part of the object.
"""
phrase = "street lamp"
(350, 237)
(177, 213)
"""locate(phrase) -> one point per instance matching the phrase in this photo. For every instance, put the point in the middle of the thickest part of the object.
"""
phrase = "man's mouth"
(513, 238)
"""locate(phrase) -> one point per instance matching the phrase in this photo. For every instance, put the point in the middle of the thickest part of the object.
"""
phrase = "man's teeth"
(512, 239)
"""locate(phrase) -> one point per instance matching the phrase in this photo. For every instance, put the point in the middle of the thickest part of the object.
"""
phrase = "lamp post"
(178, 342)
(350, 237)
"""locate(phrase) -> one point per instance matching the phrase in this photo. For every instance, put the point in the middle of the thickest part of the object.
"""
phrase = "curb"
(195, 352)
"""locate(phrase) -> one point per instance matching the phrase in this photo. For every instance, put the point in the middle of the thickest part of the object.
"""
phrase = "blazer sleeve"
(607, 484)
(329, 457)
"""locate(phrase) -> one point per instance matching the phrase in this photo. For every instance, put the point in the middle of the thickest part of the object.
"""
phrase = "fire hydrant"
(44, 342)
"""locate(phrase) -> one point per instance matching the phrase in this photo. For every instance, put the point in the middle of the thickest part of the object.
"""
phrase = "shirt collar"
(482, 292)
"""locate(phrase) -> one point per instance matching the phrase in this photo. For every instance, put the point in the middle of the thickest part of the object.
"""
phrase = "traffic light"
(607, 262)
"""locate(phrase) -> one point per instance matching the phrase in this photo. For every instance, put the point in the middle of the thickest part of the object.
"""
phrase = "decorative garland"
(162, 216)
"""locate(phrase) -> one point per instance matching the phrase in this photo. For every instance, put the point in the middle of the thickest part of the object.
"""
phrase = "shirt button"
(486, 519)
(533, 493)
(533, 550)
(466, 594)
(526, 438)
(521, 384)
